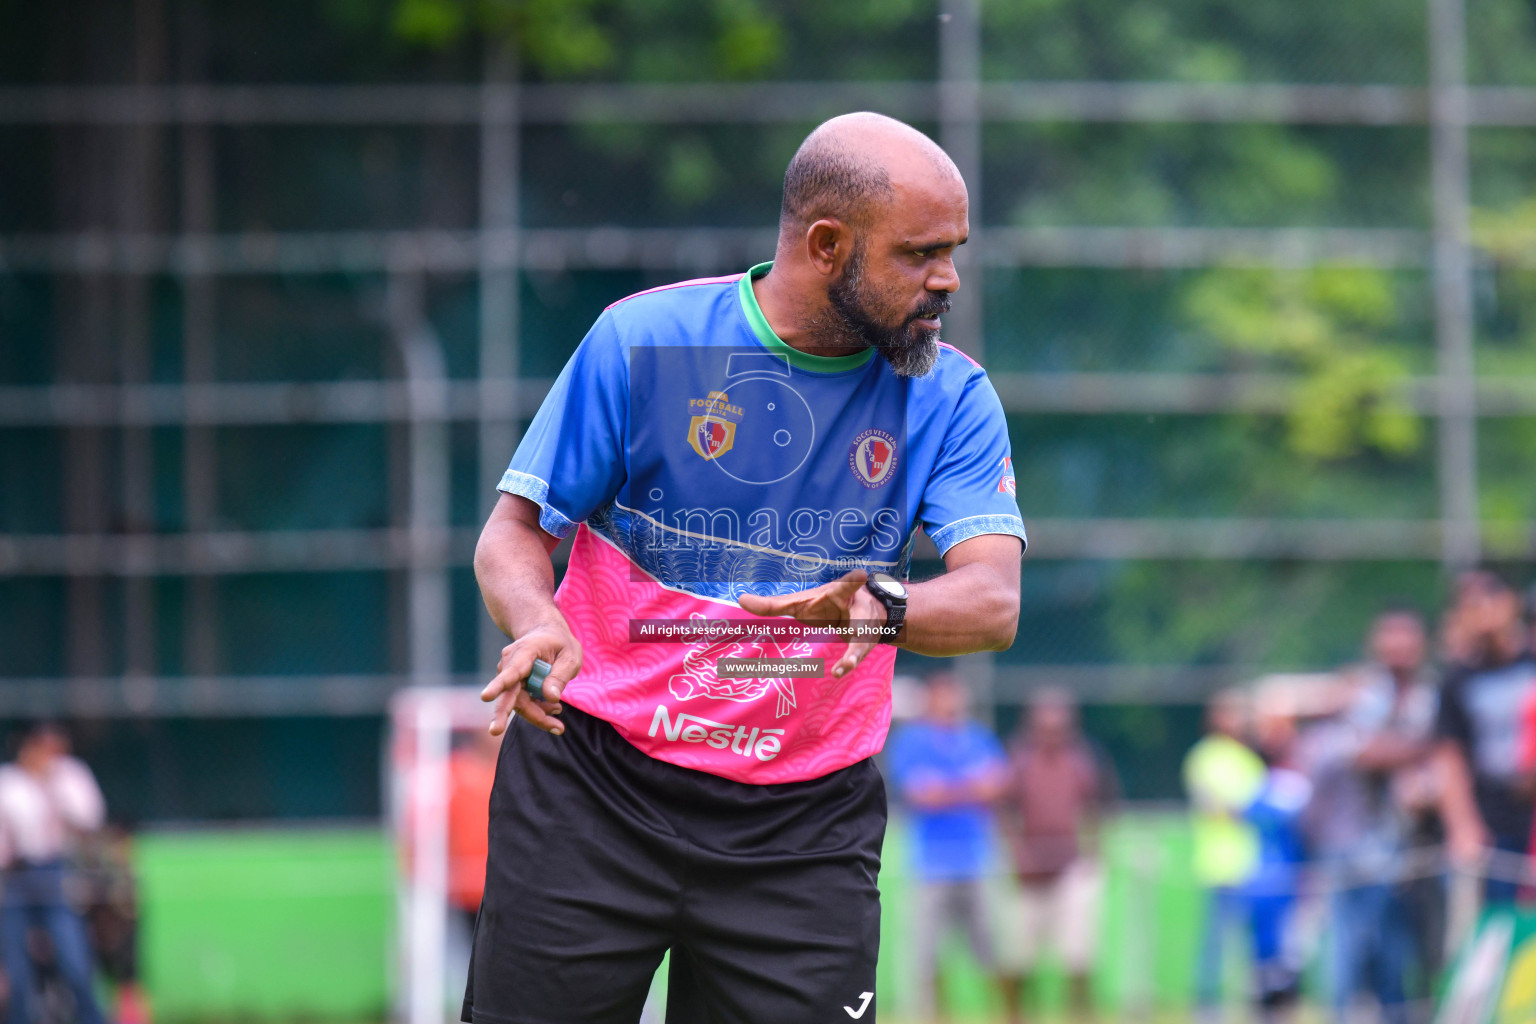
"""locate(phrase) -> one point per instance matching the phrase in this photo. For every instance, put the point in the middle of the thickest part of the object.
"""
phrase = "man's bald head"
(847, 169)
(873, 212)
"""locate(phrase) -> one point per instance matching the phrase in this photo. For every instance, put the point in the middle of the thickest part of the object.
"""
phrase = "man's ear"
(827, 244)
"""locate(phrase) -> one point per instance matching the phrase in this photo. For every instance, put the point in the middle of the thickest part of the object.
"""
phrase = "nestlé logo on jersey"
(748, 741)
(872, 457)
(712, 424)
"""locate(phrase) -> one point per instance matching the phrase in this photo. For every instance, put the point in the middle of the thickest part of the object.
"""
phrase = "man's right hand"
(553, 643)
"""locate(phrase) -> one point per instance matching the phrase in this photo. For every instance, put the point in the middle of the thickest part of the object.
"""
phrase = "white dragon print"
(699, 679)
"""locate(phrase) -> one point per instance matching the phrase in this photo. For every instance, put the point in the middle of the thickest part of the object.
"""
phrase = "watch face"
(888, 585)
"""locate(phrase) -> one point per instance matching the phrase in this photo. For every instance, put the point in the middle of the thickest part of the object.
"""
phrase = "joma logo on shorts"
(762, 744)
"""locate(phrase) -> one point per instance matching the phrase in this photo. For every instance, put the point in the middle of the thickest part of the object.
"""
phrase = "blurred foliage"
(1256, 613)
(1323, 323)
(1205, 40)
(1235, 175)
(683, 40)
(1262, 614)
(1195, 467)
(1498, 42)
(1506, 238)
(1508, 499)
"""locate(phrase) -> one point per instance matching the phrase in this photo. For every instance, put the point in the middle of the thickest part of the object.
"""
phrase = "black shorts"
(602, 859)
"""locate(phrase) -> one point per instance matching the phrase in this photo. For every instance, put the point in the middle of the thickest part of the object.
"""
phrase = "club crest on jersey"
(872, 457)
(1006, 485)
(712, 425)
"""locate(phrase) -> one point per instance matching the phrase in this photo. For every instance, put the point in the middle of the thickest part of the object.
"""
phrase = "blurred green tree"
(1325, 324)
(715, 39)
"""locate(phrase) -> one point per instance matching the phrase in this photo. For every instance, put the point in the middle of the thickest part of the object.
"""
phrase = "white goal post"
(422, 724)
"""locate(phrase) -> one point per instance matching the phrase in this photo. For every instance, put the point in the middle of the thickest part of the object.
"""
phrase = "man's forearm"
(516, 577)
(968, 609)
(1458, 807)
(1390, 751)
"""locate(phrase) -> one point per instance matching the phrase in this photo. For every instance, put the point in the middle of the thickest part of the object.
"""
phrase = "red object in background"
(132, 1007)
(1527, 756)
(1528, 734)
(471, 775)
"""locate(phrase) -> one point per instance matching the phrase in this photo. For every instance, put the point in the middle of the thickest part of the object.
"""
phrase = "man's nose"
(945, 277)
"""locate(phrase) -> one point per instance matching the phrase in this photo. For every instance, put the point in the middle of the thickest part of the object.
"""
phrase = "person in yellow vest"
(1222, 776)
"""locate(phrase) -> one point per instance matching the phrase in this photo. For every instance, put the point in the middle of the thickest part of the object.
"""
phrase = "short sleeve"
(571, 460)
(971, 489)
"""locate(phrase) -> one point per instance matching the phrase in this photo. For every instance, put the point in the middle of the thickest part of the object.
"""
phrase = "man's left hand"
(839, 603)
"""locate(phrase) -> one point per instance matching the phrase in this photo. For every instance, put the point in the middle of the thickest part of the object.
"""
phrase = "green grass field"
(266, 925)
(283, 925)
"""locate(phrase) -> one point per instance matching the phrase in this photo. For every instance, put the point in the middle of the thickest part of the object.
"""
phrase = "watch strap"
(895, 612)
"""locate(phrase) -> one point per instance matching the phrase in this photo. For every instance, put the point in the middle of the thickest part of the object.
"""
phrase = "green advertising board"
(1494, 978)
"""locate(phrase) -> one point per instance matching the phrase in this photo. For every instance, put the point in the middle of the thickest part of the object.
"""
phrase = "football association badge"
(872, 457)
(1006, 484)
(712, 424)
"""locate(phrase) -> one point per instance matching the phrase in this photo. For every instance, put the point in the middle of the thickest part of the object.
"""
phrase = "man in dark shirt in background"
(1482, 801)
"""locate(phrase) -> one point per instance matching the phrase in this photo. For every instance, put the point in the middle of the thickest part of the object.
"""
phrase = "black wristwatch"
(892, 594)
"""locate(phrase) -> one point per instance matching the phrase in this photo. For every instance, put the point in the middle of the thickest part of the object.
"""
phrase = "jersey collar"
(773, 343)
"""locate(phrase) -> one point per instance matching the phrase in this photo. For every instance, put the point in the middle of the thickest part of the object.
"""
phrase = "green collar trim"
(773, 343)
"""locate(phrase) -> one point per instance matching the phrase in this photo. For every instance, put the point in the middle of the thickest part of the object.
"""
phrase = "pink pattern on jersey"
(666, 699)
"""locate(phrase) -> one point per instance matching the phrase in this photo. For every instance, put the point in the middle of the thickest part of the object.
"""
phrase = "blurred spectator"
(948, 770)
(1276, 813)
(1483, 801)
(1057, 789)
(47, 799)
(471, 776)
(112, 919)
(1222, 776)
(1367, 765)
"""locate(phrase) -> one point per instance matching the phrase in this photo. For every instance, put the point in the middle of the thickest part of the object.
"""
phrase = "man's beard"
(911, 350)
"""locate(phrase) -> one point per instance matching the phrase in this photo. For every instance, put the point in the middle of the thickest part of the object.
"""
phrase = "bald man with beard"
(744, 463)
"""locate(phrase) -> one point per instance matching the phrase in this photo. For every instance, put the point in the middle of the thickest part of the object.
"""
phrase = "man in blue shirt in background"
(948, 771)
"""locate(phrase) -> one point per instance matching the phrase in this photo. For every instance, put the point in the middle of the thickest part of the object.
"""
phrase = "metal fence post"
(429, 605)
(1454, 322)
(500, 194)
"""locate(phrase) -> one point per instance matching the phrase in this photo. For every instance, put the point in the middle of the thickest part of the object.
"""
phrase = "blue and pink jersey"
(698, 457)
